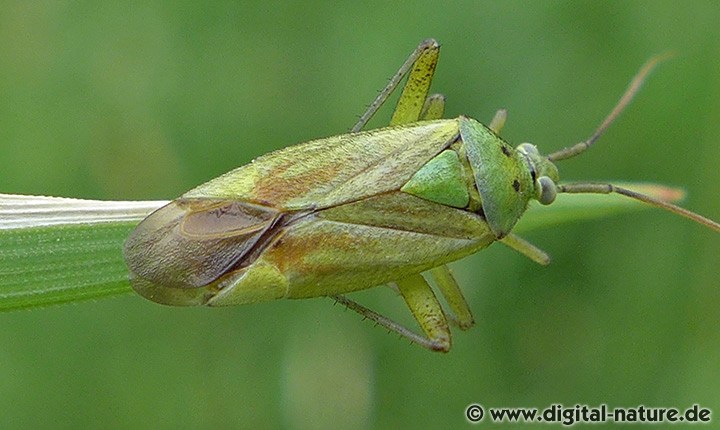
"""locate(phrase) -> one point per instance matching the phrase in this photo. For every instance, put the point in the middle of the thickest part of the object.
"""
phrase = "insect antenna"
(602, 188)
(596, 188)
(624, 101)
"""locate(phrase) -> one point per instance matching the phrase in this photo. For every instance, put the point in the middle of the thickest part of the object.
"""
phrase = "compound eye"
(545, 189)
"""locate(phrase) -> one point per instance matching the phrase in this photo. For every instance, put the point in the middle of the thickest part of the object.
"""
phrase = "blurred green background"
(144, 100)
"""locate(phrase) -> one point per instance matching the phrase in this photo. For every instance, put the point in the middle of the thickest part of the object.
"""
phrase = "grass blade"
(59, 250)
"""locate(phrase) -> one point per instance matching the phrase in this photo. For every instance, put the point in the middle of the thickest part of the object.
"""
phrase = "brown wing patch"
(190, 243)
(226, 219)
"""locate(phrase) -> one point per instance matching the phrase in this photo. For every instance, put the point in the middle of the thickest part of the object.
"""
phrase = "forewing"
(192, 242)
(329, 172)
(226, 222)
(399, 211)
(371, 242)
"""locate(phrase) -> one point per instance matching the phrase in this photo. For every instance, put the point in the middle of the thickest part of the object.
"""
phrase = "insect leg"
(386, 322)
(434, 107)
(526, 248)
(427, 311)
(498, 121)
(425, 308)
(450, 289)
(421, 67)
(414, 96)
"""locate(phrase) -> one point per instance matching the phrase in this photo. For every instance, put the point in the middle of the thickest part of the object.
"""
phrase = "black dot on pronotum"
(505, 150)
(516, 185)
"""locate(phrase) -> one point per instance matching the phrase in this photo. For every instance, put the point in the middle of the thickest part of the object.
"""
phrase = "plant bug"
(349, 212)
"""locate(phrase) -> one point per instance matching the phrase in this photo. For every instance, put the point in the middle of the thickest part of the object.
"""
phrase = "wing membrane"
(192, 242)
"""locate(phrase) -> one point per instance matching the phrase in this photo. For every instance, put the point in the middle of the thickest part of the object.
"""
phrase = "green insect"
(350, 212)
